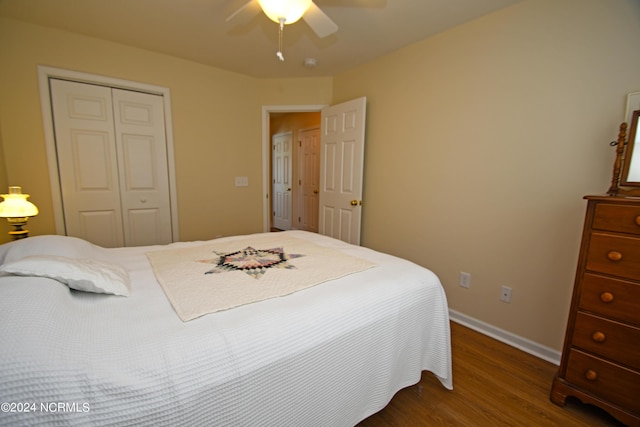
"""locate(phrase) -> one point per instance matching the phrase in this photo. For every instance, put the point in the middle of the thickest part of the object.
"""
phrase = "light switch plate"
(242, 181)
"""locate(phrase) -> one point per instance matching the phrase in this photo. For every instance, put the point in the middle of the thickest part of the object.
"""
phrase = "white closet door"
(88, 165)
(142, 153)
(113, 170)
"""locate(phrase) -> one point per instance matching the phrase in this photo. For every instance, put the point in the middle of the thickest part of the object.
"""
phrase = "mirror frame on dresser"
(626, 168)
(631, 167)
(627, 161)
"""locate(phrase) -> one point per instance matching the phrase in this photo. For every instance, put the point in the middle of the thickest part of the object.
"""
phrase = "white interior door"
(282, 186)
(87, 162)
(309, 183)
(341, 170)
(142, 153)
(112, 166)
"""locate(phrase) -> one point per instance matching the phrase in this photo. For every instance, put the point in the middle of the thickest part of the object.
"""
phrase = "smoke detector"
(310, 62)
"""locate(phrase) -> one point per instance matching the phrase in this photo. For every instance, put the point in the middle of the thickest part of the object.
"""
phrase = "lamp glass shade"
(16, 205)
(289, 10)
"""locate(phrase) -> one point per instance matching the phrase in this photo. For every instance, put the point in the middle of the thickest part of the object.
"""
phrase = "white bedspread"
(329, 355)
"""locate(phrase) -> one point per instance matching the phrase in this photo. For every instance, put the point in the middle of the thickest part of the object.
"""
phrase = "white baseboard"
(528, 346)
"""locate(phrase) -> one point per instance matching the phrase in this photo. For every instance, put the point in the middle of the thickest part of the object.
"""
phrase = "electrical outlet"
(505, 294)
(465, 279)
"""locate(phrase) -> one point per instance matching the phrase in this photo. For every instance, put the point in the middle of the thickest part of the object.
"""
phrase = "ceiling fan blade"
(246, 12)
(319, 22)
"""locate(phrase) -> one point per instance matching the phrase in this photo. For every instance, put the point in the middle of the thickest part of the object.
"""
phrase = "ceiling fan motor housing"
(288, 10)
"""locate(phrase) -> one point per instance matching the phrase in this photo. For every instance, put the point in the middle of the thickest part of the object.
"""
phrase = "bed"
(96, 336)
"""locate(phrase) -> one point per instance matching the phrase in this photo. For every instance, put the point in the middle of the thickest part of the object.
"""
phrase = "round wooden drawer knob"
(606, 297)
(614, 256)
(638, 220)
(598, 336)
(591, 375)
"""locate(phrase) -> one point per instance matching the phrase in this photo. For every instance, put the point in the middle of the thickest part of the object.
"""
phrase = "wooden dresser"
(601, 356)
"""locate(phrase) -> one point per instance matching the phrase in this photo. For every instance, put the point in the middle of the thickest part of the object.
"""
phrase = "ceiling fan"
(285, 12)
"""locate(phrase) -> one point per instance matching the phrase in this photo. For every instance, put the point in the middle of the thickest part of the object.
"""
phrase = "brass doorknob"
(288, 189)
(354, 203)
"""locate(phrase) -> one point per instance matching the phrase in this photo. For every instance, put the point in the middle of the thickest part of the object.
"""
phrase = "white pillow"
(66, 246)
(81, 274)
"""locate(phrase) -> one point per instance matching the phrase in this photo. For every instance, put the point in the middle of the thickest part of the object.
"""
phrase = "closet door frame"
(44, 74)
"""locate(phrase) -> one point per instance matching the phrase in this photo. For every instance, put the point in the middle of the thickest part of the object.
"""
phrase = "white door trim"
(44, 74)
(266, 150)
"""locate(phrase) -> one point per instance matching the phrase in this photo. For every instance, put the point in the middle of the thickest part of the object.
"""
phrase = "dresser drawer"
(614, 254)
(621, 218)
(614, 383)
(618, 299)
(613, 340)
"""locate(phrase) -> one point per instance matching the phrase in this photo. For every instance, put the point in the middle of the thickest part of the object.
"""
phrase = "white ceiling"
(196, 29)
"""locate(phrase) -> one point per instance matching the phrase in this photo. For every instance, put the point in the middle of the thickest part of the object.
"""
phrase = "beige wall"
(3, 169)
(216, 123)
(481, 142)
(300, 91)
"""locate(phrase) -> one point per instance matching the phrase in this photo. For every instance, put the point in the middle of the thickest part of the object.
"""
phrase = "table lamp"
(17, 210)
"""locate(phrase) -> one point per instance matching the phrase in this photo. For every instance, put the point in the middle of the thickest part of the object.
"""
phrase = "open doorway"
(280, 119)
(341, 167)
(295, 170)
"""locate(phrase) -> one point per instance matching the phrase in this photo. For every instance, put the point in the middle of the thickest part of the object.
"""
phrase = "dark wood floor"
(494, 385)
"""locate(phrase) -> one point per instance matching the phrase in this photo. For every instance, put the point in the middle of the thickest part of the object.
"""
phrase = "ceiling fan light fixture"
(288, 10)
